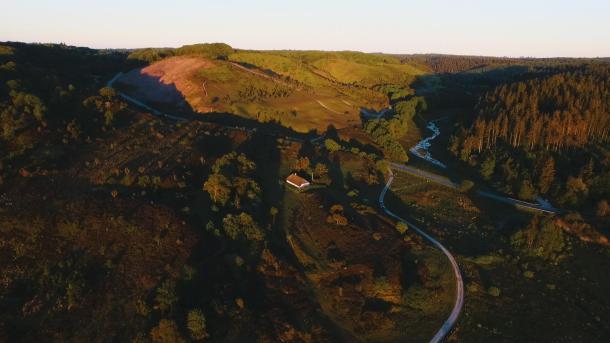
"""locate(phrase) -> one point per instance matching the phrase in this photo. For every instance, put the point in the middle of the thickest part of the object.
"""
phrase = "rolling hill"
(301, 90)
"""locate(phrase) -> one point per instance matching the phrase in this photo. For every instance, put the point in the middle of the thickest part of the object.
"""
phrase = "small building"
(297, 181)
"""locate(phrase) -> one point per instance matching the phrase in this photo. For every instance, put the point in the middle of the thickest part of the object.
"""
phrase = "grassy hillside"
(303, 90)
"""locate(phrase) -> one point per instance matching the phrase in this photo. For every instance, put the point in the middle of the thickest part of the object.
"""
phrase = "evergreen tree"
(196, 324)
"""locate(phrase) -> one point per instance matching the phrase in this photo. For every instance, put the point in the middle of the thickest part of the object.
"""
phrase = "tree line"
(554, 113)
(547, 136)
(387, 132)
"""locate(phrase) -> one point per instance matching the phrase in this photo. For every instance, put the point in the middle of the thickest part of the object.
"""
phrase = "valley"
(144, 196)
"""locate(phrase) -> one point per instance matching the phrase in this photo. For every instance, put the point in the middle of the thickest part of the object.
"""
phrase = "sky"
(516, 28)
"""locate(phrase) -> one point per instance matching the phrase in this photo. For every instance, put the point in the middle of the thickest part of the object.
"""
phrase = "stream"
(421, 149)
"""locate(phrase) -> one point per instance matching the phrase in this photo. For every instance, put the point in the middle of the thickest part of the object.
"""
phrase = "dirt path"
(326, 107)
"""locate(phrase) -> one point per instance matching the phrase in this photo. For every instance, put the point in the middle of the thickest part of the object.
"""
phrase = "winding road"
(421, 150)
(544, 207)
(459, 283)
(445, 181)
(449, 323)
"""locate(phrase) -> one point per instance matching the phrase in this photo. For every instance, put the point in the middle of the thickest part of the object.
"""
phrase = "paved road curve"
(541, 207)
(459, 283)
(427, 175)
(450, 322)
(545, 208)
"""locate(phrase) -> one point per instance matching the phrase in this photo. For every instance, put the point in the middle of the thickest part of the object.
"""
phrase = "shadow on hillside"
(462, 89)
(152, 91)
(165, 100)
(256, 68)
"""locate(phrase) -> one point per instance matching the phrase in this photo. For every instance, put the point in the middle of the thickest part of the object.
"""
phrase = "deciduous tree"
(320, 170)
(331, 145)
(273, 211)
(301, 164)
(242, 226)
(336, 215)
(166, 295)
(166, 332)
(219, 188)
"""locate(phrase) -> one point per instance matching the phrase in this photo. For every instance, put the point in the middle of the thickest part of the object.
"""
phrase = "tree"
(196, 324)
(527, 192)
(242, 226)
(73, 129)
(396, 151)
(336, 209)
(382, 166)
(273, 211)
(301, 164)
(488, 167)
(106, 104)
(540, 238)
(245, 188)
(219, 188)
(546, 175)
(320, 170)
(576, 188)
(211, 228)
(402, 227)
(108, 118)
(336, 215)
(245, 165)
(603, 208)
(166, 332)
(331, 145)
(107, 92)
(466, 186)
(166, 295)
(587, 170)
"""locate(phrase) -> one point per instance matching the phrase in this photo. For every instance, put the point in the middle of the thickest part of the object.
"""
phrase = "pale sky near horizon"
(539, 28)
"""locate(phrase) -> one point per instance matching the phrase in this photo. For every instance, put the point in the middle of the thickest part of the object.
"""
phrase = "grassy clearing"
(369, 75)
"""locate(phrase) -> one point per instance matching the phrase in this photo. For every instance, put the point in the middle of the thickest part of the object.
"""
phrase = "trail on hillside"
(326, 107)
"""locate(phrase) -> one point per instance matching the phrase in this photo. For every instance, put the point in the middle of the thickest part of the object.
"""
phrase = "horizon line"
(77, 45)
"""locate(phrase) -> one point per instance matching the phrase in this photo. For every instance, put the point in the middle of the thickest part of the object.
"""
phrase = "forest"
(566, 110)
(546, 135)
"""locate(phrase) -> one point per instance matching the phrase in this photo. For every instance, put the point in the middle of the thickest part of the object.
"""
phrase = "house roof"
(297, 180)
